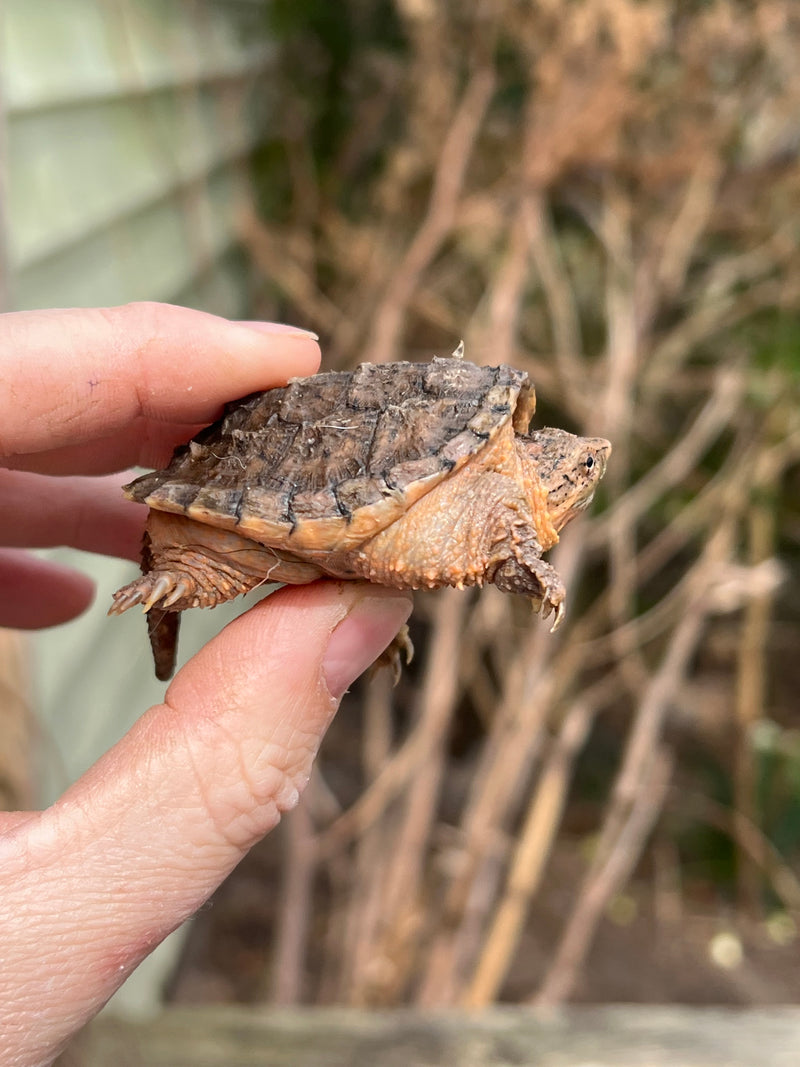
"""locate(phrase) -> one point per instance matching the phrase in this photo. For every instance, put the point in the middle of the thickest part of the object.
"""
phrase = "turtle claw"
(402, 645)
(163, 585)
(160, 588)
(553, 604)
(560, 613)
(548, 605)
(183, 587)
(392, 657)
(126, 598)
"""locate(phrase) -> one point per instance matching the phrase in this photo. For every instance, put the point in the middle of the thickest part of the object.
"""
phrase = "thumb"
(91, 886)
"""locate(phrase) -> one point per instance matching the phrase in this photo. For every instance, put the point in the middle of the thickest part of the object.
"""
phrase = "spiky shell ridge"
(328, 461)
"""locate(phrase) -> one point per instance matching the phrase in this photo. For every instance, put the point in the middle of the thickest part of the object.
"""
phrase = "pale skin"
(91, 885)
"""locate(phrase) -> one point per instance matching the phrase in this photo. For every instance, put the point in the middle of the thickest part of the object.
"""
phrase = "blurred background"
(606, 194)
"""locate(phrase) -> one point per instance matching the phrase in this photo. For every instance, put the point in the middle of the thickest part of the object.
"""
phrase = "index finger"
(78, 375)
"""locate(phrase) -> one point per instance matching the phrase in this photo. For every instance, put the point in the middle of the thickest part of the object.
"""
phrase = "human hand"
(90, 886)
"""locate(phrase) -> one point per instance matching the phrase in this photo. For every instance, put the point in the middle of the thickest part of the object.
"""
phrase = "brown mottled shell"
(328, 461)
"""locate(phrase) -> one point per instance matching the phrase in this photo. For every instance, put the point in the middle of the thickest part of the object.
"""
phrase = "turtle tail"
(162, 629)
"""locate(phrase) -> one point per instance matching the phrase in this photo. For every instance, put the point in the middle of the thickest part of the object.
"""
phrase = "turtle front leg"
(478, 530)
(534, 578)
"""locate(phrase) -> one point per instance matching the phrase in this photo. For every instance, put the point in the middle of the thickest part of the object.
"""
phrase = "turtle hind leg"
(393, 655)
(195, 580)
(188, 564)
(157, 587)
(162, 629)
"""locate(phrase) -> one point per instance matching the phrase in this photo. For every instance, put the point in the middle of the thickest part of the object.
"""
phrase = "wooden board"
(209, 1036)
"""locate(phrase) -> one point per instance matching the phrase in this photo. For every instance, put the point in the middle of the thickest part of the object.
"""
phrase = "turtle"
(407, 474)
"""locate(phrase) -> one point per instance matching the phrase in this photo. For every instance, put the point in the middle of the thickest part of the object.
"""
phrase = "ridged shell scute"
(326, 462)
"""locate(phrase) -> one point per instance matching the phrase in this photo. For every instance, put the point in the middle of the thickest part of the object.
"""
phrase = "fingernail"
(281, 328)
(360, 638)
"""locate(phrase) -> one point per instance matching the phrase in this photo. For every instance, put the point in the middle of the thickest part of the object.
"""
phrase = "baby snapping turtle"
(414, 475)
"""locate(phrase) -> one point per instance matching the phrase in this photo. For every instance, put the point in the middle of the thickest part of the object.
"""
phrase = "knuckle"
(247, 800)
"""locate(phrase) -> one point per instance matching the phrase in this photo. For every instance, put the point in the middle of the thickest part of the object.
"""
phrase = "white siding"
(127, 126)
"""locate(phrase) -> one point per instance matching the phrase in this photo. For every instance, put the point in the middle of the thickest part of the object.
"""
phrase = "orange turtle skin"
(413, 475)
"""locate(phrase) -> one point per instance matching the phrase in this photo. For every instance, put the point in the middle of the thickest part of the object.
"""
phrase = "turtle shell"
(328, 461)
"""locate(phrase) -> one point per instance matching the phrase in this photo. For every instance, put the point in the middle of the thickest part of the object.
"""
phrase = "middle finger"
(87, 513)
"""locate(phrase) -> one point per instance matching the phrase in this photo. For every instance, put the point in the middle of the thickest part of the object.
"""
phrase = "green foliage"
(322, 82)
(775, 335)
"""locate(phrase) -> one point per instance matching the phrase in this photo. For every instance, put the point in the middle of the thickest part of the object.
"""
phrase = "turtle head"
(568, 467)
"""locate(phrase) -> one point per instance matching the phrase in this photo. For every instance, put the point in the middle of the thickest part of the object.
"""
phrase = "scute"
(328, 461)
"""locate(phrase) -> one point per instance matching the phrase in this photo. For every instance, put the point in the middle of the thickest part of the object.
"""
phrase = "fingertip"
(184, 341)
(279, 329)
(281, 350)
(39, 593)
(84, 374)
(362, 636)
